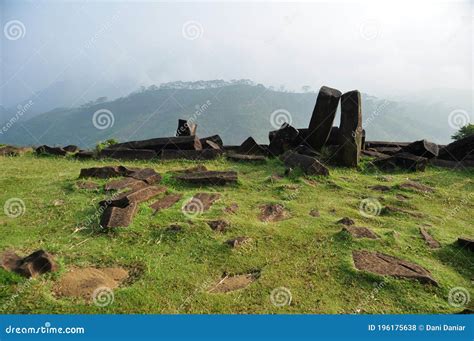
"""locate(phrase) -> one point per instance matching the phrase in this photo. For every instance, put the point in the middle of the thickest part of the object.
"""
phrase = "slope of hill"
(233, 110)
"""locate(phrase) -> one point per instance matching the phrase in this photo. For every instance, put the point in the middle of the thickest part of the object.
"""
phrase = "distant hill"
(235, 110)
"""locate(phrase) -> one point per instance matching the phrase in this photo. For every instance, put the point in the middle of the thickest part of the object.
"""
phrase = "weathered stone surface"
(422, 148)
(209, 178)
(461, 165)
(201, 202)
(219, 225)
(360, 232)
(37, 263)
(44, 149)
(90, 185)
(117, 185)
(308, 165)
(250, 146)
(70, 148)
(405, 161)
(466, 243)
(416, 186)
(387, 150)
(204, 154)
(149, 175)
(134, 196)
(128, 154)
(283, 139)
(350, 130)
(186, 128)
(383, 264)
(246, 157)
(432, 243)
(165, 202)
(458, 150)
(160, 143)
(211, 141)
(104, 172)
(346, 221)
(379, 144)
(323, 117)
(84, 155)
(238, 241)
(118, 216)
(273, 212)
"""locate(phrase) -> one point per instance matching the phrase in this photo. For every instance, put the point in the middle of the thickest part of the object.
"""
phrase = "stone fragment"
(458, 165)
(422, 148)
(383, 264)
(44, 149)
(231, 283)
(250, 146)
(402, 160)
(148, 175)
(432, 243)
(308, 165)
(165, 202)
(466, 243)
(102, 172)
(360, 232)
(36, 264)
(128, 154)
(134, 196)
(84, 155)
(283, 139)
(71, 148)
(117, 185)
(211, 141)
(323, 117)
(186, 128)
(115, 216)
(215, 178)
(350, 130)
(158, 144)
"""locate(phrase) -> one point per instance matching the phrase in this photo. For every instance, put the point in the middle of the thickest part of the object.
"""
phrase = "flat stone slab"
(245, 157)
(209, 178)
(405, 161)
(360, 232)
(128, 154)
(131, 183)
(466, 242)
(134, 196)
(160, 143)
(413, 185)
(148, 175)
(219, 225)
(165, 202)
(382, 264)
(103, 172)
(309, 165)
(432, 243)
(232, 283)
(273, 212)
(204, 154)
(201, 201)
(238, 241)
(118, 216)
(458, 150)
(36, 264)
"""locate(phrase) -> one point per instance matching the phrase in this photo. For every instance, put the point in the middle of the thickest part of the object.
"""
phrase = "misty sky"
(381, 48)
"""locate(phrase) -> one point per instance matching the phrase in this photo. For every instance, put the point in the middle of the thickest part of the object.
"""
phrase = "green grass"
(307, 255)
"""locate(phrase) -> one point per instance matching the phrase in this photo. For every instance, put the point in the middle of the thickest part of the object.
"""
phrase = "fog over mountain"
(67, 54)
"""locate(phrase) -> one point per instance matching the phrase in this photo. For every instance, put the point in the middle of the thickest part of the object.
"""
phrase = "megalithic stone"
(186, 128)
(350, 130)
(323, 117)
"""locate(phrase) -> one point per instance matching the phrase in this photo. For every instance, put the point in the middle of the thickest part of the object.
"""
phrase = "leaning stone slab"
(458, 150)
(134, 196)
(422, 148)
(117, 185)
(360, 232)
(44, 149)
(308, 164)
(201, 202)
(204, 154)
(165, 202)
(211, 141)
(37, 263)
(118, 216)
(383, 264)
(128, 154)
(432, 243)
(209, 178)
(405, 161)
(466, 242)
(250, 146)
(350, 130)
(323, 117)
(158, 144)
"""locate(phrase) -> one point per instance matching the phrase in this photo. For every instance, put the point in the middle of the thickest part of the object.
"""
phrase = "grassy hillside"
(172, 272)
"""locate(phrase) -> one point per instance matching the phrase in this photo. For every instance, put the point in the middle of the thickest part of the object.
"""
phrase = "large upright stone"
(186, 128)
(350, 130)
(323, 117)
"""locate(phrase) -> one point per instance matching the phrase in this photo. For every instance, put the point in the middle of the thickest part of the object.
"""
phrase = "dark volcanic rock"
(146, 174)
(346, 221)
(219, 225)
(210, 142)
(128, 154)
(201, 202)
(204, 154)
(432, 243)
(134, 196)
(466, 243)
(71, 148)
(350, 130)
(458, 150)
(283, 139)
(158, 144)
(405, 161)
(459, 165)
(422, 148)
(118, 216)
(84, 155)
(117, 185)
(309, 165)
(186, 128)
(209, 178)
(246, 157)
(360, 232)
(102, 172)
(382, 264)
(323, 117)
(50, 150)
(37, 263)
(373, 153)
(165, 202)
(250, 146)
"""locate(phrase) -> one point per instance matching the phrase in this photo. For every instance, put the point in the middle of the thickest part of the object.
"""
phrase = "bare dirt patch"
(231, 283)
(273, 212)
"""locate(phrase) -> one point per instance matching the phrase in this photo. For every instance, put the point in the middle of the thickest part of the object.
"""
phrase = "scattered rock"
(197, 169)
(236, 242)
(211, 142)
(219, 225)
(246, 157)
(383, 264)
(161, 143)
(350, 130)
(235, 282)
(165, 202)
(186, 128)
(117, 185)
(204, 154)
(412, 185)
(90, 185)
(232, 208)
(71, 148)
(346, 221)
(87, 282)
(250, 146)
(422, 148)
(84, 155)
(432, 243)
(201, 202)
(461, 165)
(103, 172)
(458, 150)
(36, 264)
(209, 178)
(273, 212)
(283, 139)
(134, 196)
(404, 161)
(118, 216)
(128, 154)
(44, 149)
(381, 188)
(146, 174)
(309, 165)
(314, 213)
(360, 232)
(466, 243)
